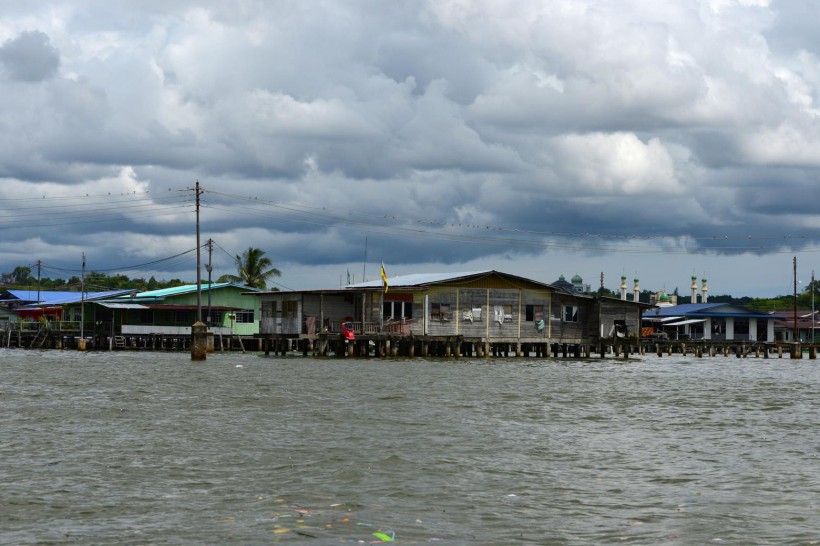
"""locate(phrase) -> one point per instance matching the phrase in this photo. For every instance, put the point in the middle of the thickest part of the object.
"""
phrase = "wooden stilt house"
(481, 313)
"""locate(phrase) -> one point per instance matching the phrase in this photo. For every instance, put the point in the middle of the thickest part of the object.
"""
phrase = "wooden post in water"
(199, 341)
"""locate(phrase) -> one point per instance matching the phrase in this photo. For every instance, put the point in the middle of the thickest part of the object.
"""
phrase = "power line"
(346, 216)
(138, 205)
(124, 268)
(571, 241)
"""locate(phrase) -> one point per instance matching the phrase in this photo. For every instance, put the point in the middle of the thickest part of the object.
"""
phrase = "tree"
(812, 286)
(254, 269)
(22, 274)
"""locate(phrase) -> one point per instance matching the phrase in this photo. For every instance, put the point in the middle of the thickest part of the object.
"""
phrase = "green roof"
(189, 288)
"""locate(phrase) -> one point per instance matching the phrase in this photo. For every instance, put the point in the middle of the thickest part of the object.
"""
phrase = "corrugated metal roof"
(683, 309)
(110, 305)
(77, 297)
(59, 297)
(687, 321)
(45, 295)
(711, 310)
(188, 288)
(172, 307)
(416, 279)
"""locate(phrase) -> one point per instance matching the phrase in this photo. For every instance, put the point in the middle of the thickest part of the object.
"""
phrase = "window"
(440, 312)
(216, 317)
(288, 309)
(471, 314)
(268, 309)
(502, 313)
(140, 316)
(533, 313)
(570, 313)
(182, 317)
(397, 309)
(245, 316)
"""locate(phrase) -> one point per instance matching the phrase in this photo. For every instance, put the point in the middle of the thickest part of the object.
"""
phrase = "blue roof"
(684, 309)
(704, 310)
(31, 295)
(66, 298)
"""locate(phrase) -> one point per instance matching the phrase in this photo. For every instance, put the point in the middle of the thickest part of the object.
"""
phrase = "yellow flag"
(384, 278)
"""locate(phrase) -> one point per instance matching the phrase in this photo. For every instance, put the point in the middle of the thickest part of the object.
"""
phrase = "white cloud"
(783, 145)
(616, 164)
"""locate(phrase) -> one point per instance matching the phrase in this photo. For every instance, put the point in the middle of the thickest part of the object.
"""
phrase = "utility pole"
(199, 331)
(813, 319)
(364, 262)
(794, 306)
(82, 303)
(209, 268)
(198, 260)
(39, 265)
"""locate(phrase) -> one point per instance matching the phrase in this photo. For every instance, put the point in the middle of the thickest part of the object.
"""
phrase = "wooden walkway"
(385, 345)
(390, 344)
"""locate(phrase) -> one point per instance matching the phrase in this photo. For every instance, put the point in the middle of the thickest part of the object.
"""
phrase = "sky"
(654, 140)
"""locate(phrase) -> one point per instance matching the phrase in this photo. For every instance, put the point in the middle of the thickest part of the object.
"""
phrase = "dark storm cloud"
(29, 57)
(676, 123)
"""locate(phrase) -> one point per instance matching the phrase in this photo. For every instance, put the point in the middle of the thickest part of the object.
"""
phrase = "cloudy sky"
(652, 139)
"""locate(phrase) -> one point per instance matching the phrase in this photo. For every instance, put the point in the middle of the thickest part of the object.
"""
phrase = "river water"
(150, 448)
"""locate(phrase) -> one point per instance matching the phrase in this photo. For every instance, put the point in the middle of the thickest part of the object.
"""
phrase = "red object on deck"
(347, 330)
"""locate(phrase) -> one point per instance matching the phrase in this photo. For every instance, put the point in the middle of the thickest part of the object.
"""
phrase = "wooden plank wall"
(495, 313)
(568, 331)
(610, 311)
(334, 308)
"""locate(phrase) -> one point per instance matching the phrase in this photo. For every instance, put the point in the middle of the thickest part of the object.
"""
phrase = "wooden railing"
(400, 326)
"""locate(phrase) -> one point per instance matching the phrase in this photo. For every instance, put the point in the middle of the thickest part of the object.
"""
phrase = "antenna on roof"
(364, 263)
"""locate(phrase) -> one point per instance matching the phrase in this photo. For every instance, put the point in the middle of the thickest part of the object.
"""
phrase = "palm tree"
(254, 269)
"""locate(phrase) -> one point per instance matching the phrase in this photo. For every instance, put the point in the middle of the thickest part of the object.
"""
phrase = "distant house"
(480, 307)
(226, 307)
(53, 305)
(808, 326)
(710, 321)
(18, 298)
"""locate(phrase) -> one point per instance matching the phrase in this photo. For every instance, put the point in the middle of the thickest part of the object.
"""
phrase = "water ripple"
(130, 448)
